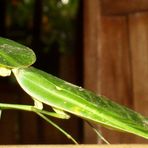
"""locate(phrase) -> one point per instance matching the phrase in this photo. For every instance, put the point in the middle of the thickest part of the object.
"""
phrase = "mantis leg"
(41, 113)
(98, 133)
(38, 106)
(61, 113)
(56, 126)
(31, 108)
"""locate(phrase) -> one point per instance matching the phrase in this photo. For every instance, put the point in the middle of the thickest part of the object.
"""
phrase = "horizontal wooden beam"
(119, 7)
(76, 146)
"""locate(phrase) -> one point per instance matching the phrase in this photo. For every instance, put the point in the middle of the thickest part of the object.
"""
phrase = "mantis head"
(14, 55)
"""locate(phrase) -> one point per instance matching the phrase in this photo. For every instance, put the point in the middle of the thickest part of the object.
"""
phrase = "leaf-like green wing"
(15, 55)
(76, 100)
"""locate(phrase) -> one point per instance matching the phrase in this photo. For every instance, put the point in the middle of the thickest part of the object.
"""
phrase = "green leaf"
(15, 55)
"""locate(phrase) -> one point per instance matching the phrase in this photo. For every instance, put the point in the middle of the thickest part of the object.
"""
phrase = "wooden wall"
(116, 57)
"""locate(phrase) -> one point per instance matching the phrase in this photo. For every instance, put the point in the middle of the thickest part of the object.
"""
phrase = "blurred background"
(53, 29)
(101, 45)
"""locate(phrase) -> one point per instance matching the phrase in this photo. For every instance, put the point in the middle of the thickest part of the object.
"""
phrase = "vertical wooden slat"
(138, 26)
(115, 64)
(107, 62)
(115, 69)
(116, 61)
(91, 43)
(122, 7)
(91, 35)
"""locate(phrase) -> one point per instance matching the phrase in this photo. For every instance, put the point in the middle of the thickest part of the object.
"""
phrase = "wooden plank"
(107, 62)
(76, 146)
(91, 43)
(117, 7)
(115, 64)
(138, 24)
(115, 69)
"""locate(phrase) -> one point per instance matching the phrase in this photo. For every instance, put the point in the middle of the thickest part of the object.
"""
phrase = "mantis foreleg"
(41, 113)
(30, 108)
(58, 113)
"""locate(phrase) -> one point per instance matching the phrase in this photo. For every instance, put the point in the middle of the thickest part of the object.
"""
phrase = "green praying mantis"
(64, 97)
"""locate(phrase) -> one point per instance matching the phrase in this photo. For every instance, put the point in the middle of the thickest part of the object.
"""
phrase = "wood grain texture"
(138, 26)
(116, 57)
(76, 146)
(107, 62)
(115, 64)
(118, 7)
(115, 69)
(91, 43)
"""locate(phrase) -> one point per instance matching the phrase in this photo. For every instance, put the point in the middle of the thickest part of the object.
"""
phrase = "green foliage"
(59, 22)
(20, 14)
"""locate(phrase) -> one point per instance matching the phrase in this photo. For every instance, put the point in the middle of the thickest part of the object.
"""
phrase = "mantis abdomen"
(73, 99)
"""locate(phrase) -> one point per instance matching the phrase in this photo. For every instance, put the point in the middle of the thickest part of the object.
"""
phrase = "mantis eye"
(4, 72)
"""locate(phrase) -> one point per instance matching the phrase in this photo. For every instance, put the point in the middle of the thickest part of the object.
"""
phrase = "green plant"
(62, 96)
